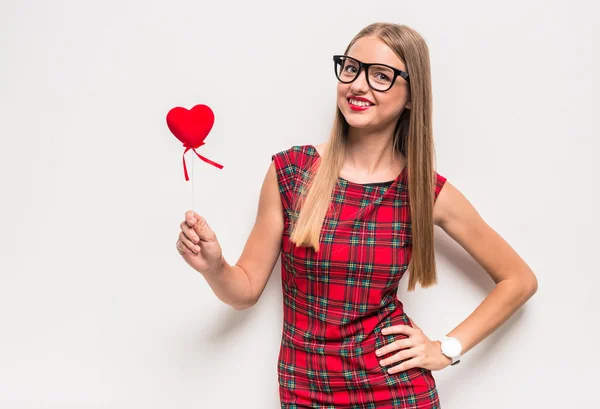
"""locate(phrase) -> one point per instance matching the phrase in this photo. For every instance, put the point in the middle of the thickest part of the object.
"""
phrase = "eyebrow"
(381, 63)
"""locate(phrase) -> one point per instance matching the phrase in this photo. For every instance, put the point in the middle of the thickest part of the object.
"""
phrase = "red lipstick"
(358, 107)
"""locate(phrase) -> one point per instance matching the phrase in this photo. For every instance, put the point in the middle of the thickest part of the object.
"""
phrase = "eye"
(382, 76)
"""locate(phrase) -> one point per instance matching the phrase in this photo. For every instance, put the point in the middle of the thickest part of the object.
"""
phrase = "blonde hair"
(412, 137)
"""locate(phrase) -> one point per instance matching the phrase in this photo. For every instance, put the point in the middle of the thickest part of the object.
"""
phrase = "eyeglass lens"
(380, 76)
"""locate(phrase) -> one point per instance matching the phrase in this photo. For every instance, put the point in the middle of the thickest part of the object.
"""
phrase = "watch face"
(451, 347)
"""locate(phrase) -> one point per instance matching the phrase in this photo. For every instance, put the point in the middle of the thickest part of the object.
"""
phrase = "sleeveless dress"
(337, 301)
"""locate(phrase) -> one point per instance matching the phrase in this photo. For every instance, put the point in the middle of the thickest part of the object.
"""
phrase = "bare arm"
(242, 284)
(515, 284)
(515, 281)
(264, 243)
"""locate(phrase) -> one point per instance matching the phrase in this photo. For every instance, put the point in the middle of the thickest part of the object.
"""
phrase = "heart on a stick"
(191, 126)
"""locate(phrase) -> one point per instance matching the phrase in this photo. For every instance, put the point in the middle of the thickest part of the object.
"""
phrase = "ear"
(409, 105)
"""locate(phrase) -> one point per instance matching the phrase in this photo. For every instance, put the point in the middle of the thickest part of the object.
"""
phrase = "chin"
(357, 121)
(358, 124)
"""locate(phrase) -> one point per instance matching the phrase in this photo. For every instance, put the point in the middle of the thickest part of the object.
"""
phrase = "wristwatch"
(452, 348)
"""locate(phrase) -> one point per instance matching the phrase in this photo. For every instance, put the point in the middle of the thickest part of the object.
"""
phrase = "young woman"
(348, 216)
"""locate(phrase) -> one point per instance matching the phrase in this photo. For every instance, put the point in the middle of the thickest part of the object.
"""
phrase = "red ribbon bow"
(191, 127)
(187, 148)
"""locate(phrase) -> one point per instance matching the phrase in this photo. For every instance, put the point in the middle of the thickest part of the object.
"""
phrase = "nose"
(360, 85)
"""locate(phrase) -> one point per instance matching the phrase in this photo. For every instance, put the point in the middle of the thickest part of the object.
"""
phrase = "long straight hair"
(412, 137)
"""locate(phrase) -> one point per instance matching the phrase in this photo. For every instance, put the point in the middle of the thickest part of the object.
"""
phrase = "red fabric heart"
(191, 127)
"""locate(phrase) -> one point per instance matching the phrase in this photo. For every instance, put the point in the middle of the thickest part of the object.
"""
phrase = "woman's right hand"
(198, 245)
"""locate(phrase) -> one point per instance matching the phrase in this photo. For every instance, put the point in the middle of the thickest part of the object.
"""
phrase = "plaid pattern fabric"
(337, 301)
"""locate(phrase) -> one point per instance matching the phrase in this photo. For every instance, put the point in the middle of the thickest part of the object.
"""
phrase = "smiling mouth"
(361, 104)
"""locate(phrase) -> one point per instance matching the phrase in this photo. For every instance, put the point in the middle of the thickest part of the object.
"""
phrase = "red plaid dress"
(337, 301)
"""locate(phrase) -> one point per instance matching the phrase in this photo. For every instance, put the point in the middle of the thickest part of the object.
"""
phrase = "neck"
(371, 152)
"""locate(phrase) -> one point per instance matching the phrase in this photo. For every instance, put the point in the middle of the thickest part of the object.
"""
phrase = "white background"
(98, 310)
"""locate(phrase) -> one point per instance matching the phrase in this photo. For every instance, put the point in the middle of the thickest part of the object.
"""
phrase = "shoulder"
(286, 156)
(296, 156)
(439, 182)
(320, 148)
(450, 204)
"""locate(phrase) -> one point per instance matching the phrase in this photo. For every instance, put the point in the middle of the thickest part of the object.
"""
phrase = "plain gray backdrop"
(98, 310)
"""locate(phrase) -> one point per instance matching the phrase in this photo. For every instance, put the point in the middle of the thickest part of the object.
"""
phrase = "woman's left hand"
(416, 351)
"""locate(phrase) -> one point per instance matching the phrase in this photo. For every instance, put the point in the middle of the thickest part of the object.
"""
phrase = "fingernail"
(195, 239)
(384, 331)
(378, 352)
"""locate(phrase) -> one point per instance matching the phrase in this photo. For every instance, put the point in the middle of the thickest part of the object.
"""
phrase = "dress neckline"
(398, 178)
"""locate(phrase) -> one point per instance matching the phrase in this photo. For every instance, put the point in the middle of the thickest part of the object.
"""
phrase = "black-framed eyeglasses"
(380, 77)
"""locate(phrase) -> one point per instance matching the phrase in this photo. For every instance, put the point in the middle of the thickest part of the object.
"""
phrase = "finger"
(394, 346)
(181, 247)
(401, 356)
(189, 232)
(194, 248)
(191, 217)
(203, 230)
(399, 329)
(406, 365)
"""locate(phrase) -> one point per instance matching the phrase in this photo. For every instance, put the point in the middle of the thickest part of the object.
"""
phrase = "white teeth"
(360, 103)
